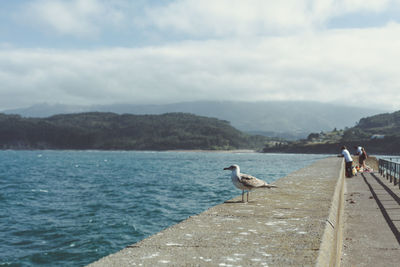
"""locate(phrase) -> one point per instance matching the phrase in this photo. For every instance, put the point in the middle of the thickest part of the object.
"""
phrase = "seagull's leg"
(243, 195)
(247, 196)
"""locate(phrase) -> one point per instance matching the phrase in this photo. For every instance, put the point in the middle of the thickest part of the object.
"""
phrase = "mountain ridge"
(285, 119)
(111, 131)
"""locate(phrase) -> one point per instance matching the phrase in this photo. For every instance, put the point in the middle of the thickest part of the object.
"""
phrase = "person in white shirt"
(348, 160)
(359, 150)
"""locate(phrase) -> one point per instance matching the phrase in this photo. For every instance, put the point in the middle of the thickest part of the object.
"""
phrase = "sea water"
(70, 208)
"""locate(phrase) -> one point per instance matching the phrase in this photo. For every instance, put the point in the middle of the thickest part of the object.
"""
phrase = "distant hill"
(286, 119)
(97, 130)
(387, 124)
(379, 134)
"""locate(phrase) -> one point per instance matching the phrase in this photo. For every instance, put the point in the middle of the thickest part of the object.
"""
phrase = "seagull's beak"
(227, 168)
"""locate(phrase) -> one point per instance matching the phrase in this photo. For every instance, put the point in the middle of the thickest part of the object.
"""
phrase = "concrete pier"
(296, 224)
(371, 222)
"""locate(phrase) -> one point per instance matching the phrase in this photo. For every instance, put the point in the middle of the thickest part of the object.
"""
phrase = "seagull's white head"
(233, 168)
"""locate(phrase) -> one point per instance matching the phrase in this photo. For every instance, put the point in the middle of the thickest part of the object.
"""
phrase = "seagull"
(245, 181)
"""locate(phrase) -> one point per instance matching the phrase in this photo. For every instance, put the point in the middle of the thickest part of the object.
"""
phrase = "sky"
(88, 52)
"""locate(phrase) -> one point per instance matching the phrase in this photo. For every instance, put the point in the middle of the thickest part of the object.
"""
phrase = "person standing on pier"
(362, 156)
(348, 160)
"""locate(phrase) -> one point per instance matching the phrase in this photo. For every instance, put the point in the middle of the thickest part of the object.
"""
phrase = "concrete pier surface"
(371, 222)
(293, 225)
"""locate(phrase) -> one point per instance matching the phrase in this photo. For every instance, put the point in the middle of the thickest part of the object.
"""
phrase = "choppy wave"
(74, 207)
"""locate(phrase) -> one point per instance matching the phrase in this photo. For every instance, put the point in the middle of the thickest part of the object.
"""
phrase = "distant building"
(378, 136)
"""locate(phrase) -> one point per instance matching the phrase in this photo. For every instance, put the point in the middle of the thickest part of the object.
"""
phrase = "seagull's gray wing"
(251, 181)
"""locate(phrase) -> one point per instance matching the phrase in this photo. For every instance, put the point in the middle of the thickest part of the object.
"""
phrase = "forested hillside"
(387, 124)
(96, 130)
(284, 119)
(379, 134)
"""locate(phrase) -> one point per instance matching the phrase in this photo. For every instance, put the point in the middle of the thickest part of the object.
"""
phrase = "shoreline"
(233, 151)
(133, 150)
(214, 151)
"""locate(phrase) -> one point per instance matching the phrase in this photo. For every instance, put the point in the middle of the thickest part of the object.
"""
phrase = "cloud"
(353, 66)
(229, 17)
(80, 18)
(224, 18)
(226, 49)
(193, 19)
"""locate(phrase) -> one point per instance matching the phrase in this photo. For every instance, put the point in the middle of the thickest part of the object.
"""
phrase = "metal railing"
(390, 170)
